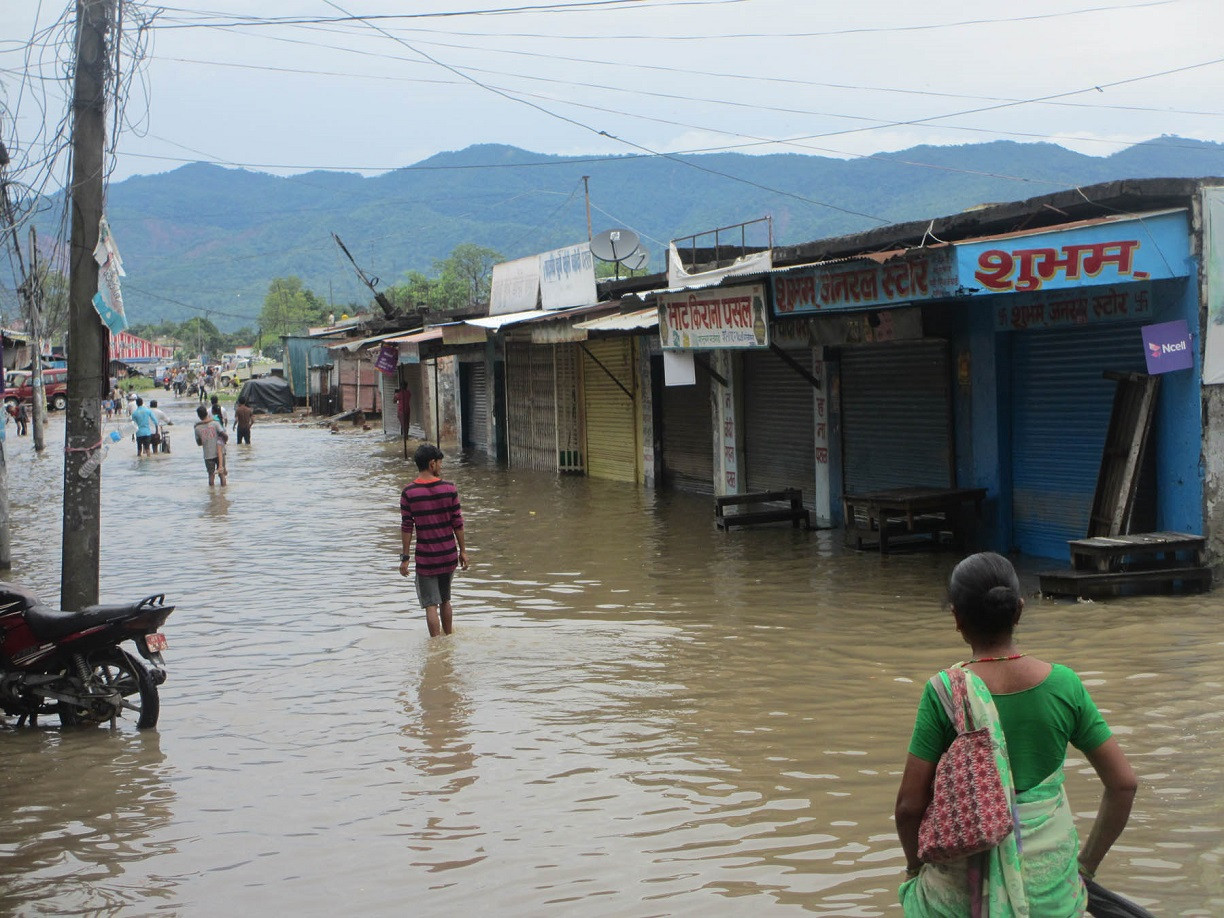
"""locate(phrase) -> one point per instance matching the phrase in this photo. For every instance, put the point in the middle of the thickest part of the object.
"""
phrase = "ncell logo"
(1159, 349)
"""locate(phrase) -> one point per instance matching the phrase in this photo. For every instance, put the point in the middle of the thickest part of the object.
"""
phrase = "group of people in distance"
(151, 423)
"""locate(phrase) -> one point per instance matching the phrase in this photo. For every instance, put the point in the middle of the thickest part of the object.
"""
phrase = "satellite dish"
(636, 260)
(615, 244)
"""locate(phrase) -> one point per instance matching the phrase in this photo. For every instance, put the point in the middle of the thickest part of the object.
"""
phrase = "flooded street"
(637, 714)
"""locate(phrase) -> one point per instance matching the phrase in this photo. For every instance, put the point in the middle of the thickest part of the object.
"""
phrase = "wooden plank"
(1130, 425)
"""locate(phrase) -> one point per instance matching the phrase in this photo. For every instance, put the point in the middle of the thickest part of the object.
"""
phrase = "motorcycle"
(70, 663)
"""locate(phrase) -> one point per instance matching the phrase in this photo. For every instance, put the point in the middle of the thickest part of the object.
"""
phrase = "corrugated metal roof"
(358, 344)
(627, 321)
(571, 312)
(433, 333)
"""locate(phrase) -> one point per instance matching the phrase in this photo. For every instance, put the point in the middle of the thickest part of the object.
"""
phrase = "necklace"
(1014, 656)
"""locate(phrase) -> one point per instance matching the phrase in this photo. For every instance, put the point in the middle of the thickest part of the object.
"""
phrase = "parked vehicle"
(70, 663)
(18, 387)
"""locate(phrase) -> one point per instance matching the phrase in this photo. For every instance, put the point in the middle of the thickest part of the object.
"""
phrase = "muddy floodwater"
(637, 714)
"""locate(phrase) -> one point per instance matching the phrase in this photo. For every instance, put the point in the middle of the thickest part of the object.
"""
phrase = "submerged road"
(637, 715)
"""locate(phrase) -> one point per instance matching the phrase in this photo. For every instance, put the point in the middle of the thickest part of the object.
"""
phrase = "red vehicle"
(70, 663)
(18, 388)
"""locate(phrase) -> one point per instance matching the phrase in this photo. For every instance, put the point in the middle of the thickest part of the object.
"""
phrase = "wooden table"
(1139, 561)
(877, 516)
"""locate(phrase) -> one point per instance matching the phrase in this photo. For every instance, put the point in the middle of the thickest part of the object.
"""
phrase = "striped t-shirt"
(432, 509)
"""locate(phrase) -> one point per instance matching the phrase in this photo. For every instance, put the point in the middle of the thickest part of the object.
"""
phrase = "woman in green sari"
(1034, 709)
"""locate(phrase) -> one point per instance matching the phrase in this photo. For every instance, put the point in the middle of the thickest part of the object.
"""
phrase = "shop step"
(1166, 578)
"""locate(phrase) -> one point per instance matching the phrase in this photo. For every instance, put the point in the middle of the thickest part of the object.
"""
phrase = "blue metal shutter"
(1060, 413)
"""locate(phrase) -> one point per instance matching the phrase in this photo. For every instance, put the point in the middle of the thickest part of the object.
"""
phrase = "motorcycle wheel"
(116, 667)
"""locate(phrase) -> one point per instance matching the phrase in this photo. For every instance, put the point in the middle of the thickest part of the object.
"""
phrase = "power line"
(610, 136)
(586, 6)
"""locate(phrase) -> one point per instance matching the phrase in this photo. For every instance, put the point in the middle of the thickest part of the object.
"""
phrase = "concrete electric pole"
(87, 336)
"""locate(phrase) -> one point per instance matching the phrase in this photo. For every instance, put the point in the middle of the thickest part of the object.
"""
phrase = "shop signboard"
(1149, 247)
(388, 358)
(516, 286)
(567, 277)
(1167, 347)
(863, 283)
(714, 318)
(1076, 306)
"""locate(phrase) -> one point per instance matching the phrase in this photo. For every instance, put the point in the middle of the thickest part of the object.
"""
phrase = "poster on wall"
(1167, 347)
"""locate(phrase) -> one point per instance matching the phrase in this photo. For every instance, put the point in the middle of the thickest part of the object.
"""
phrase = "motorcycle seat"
(50, 624)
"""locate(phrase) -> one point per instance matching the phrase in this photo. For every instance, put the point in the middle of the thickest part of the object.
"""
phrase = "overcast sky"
(221, 84)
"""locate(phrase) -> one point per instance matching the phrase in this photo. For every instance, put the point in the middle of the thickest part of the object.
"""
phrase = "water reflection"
(637, 714)
(72, 840)
(437, 714)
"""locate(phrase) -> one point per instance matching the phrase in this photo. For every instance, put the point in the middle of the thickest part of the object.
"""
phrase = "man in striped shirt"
(429, 507)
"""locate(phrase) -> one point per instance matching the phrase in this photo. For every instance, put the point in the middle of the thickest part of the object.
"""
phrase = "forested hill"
(209, 238)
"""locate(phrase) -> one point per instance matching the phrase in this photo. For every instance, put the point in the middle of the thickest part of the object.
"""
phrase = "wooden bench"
(1102, 565)
(792, 511)
(874, 518)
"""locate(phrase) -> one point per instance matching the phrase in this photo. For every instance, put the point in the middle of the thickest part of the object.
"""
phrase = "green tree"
(414, 292)
(462, 281)
(467, 275)
(289, 307)
(200, 336)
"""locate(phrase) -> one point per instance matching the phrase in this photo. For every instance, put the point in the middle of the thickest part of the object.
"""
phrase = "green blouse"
(1038, 723)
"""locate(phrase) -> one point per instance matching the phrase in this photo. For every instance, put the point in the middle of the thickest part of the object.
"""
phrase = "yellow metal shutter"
(609, 384)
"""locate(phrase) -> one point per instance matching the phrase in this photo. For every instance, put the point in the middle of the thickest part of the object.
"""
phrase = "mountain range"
(207, 240)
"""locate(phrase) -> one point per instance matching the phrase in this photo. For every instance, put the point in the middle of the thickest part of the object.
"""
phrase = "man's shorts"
(143, 443)
(211, 465)
(433, 591)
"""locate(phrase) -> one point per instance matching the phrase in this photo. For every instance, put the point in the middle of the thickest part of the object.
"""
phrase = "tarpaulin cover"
(269, 394)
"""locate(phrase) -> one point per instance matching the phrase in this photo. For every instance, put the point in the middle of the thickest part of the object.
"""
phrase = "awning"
(510, 318)
(622, 322)
(410, 345)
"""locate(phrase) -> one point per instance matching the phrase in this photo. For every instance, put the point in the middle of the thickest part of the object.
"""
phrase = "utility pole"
(35, 302)
(6, 539)
(30, 288)
(87, 336)
(586, 187)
